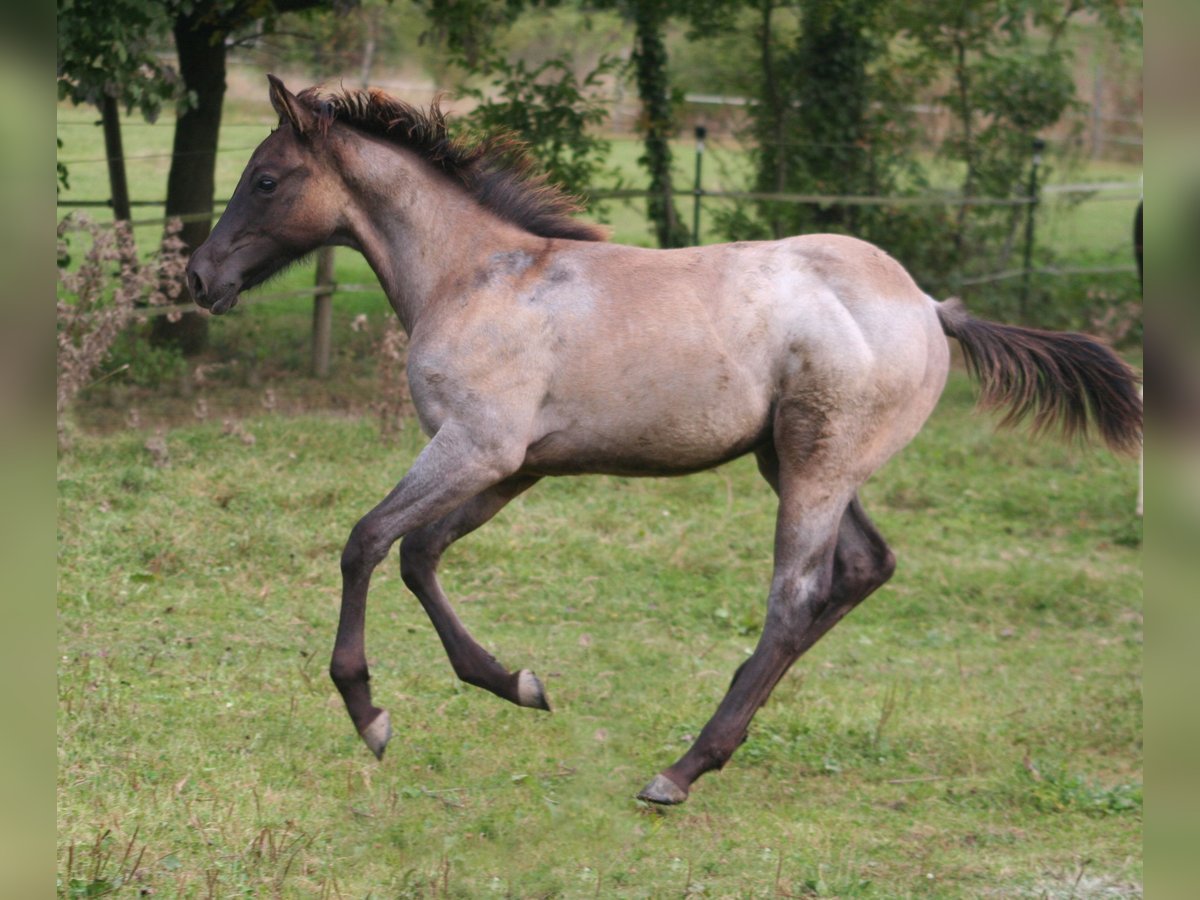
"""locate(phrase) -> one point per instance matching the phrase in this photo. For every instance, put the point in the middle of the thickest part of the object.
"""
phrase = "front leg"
(451, 469)
(420, 552)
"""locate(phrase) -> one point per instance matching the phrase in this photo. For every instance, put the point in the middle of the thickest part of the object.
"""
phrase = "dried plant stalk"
(110, 288)
(393, 379)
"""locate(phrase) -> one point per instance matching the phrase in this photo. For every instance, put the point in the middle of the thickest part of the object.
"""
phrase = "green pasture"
(973, 730)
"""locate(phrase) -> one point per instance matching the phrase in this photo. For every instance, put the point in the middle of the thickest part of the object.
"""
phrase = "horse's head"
(287, 204)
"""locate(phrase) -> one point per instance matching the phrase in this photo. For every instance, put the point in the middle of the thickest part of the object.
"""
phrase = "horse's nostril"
(197, 286)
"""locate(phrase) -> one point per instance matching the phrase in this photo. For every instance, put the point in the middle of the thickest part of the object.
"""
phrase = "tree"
(554, 113)
(834, 117)
(1006, 67)
(106, 58)
(831, 121)
(656, 121)
(467, 25)
(547, 105)
(105, 52)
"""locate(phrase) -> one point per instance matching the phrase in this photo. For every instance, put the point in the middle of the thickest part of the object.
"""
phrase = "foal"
(538, 349)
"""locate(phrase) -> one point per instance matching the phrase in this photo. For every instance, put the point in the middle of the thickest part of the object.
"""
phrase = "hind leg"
(862, 560)
(816, 583)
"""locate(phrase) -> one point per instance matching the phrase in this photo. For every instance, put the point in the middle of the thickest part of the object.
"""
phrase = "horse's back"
(683, 358)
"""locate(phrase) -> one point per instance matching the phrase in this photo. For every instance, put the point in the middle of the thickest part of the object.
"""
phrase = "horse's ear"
(289, 108)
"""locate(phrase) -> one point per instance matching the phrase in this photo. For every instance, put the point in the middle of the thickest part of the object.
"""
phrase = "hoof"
(663, 790)
(530, 691)
(378, 733)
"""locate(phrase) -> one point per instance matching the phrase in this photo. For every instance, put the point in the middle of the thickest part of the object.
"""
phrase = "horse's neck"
(415, 228)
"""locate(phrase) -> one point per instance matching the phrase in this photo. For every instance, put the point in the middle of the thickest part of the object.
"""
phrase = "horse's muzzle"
(218, 298)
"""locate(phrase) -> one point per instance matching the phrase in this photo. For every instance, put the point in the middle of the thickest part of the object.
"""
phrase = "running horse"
(538, 348)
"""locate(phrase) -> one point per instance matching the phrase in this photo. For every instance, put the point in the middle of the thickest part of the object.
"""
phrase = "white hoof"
(530, 692)
(378, 733)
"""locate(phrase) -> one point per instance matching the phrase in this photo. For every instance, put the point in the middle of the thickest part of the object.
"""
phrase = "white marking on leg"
(529, 689)
(378, 733)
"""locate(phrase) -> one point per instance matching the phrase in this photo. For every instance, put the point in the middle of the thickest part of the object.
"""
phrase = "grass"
(973, 730)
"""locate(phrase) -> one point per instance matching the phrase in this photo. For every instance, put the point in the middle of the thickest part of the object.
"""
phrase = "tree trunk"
(370, 22)
(118, 186)
(773, 148)
(200, 43)
(650, 60)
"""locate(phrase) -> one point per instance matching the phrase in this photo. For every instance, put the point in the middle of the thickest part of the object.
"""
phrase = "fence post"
(698, 191)
(322, 312)
(1034, 199)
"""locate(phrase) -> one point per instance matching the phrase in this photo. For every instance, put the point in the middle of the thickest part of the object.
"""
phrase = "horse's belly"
(650, 439)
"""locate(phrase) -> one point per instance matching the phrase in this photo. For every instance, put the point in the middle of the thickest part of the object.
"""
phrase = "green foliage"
(555, 105)
(1054, 789)
(327, 40)
(468, 27)
(834, 118)
(144, 364)
(830, 121)
(1006, 71)
(555, 114)
(108, 48)
(655, 121)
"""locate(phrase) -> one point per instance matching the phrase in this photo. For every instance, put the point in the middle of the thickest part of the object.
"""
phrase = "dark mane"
(497, 170)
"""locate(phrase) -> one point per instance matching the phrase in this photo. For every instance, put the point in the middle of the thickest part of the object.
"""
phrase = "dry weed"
(110, 288)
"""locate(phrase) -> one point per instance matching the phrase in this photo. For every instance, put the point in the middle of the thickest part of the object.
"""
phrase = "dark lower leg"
(348, 667)
(861, 563)
(420, 553)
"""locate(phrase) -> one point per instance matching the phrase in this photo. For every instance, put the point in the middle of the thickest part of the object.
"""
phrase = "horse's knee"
(366, 547)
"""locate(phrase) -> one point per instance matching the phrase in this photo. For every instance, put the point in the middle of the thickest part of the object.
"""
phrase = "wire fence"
(1092, 191)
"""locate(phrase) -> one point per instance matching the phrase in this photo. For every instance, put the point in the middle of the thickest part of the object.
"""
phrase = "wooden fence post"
(322, 313)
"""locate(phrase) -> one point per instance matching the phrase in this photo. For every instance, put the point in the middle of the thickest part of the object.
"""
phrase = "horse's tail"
(1058, 378)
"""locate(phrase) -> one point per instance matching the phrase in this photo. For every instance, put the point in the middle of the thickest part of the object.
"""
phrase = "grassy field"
(973, 730)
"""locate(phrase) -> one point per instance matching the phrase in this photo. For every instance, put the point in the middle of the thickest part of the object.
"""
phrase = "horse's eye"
(266, 184)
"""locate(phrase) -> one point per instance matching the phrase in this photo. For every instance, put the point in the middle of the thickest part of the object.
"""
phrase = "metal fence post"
(1034, 199)
(697, 191)
(322, 313)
